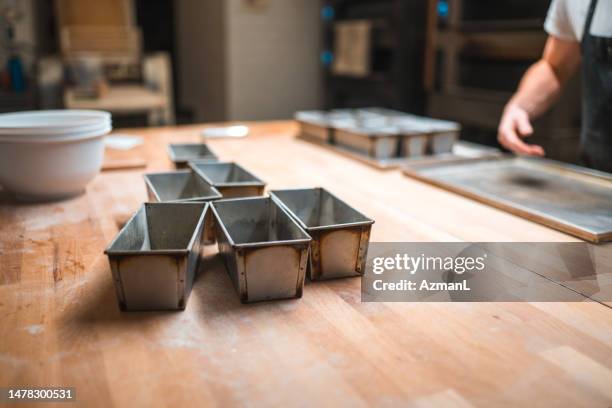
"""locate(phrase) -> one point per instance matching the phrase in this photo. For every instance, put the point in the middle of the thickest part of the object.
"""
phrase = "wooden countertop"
(60, 324)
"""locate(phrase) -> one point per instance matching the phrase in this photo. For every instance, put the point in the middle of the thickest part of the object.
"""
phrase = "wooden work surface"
(60, 324)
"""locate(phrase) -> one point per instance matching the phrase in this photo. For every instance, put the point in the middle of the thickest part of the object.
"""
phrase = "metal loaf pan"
(320, 125)
(181, 154)
(378, 143)
(413, 145)
(230, 179)
(443, 142)
(179, 186)
(264, 249)
(154, 258)
(340, 234)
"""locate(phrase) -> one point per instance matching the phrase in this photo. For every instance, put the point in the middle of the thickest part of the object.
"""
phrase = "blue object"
(443, 8)
(327, 13)
(327, 57)
(15, 70)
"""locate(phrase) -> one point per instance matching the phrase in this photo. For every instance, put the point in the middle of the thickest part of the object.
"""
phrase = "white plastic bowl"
(50, 121)
(43, 170)
(64, 134)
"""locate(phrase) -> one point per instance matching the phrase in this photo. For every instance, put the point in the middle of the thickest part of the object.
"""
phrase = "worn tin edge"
(256, 182)
(264, 243)
(152, 188)
(181, 251)
(367, 221)
(183, 160)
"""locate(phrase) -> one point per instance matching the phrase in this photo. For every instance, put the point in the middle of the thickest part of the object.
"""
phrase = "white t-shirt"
(566, 19)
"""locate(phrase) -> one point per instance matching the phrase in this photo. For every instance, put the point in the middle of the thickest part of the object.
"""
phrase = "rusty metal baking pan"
(230, 179)
(181, 154)
(375, 142)
(340, 234)
(155, 256)
(179, 186)
(264, 249)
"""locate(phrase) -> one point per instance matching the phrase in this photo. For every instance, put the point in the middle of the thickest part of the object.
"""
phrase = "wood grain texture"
(60, 324)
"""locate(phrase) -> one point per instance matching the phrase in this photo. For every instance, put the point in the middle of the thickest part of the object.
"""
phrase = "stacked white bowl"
(53, 154)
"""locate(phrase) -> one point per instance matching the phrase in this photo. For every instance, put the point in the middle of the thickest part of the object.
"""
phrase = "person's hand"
(513, 127)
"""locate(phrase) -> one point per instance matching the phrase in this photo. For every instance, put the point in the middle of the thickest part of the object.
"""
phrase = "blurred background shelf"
(476, 56)
(393, 54)
(216, 60)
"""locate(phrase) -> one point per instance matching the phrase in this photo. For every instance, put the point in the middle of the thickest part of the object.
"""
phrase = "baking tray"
(181, 154)
(340, 234)
(264, 249)
(375, 142)
(460, 154)
(413, 146)
(231, 179)
(179, 186)
(572, 199)
(441, 134)
(320, 124)
(155, 256)
(442, 142)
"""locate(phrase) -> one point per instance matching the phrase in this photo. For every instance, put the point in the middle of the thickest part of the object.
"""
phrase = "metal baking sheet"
(569, 198)
(231, 179)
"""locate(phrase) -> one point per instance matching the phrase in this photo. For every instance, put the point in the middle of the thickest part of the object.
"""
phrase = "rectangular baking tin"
(264, 249)
(230, 179)
(442, 142)
(340, 234)
(181, 154)
(179, 186)
(376, 143)
(155, 256)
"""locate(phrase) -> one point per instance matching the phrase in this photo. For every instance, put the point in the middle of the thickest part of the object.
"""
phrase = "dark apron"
(596, 137)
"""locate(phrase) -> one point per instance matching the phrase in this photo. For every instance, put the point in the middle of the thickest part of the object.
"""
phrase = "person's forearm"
(538, 89)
